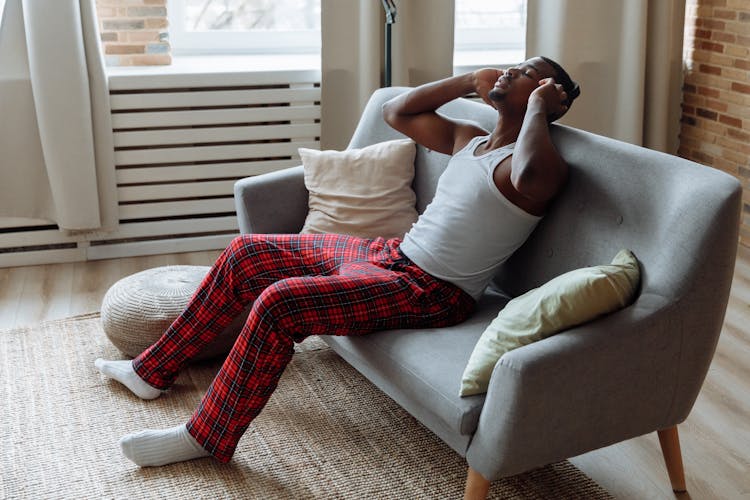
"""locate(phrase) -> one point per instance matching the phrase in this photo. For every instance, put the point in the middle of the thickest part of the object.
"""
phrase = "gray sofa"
(636, 371)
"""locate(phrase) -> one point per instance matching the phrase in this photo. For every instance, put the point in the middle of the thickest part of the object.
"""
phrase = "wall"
(134, 32)
(716, 99)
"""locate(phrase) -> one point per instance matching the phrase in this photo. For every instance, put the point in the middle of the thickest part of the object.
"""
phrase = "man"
(491, 196)
(497, 184)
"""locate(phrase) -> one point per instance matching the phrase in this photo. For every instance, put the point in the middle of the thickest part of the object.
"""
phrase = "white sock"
(123, 372)
(153, 448)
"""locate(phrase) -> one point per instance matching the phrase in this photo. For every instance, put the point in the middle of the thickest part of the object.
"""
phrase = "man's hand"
(484, 81)
(552, 96)
(414, 113)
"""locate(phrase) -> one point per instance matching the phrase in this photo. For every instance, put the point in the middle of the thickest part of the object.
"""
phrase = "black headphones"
(574, 92)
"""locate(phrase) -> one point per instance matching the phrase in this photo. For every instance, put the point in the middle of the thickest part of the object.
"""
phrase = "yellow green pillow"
(570, 299)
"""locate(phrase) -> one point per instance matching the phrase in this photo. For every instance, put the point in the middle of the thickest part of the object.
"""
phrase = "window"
(490, 32)
(244, 26)
(487, 31)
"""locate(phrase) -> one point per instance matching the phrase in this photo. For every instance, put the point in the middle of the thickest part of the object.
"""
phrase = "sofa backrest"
(669, 211)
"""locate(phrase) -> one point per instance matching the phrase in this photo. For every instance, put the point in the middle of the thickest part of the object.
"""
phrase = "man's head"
(512, 90)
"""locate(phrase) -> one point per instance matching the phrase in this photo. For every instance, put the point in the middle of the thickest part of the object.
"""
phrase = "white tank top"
(470, 228)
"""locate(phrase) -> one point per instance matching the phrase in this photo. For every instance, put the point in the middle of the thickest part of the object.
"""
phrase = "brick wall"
(134, 32)
(716, 94)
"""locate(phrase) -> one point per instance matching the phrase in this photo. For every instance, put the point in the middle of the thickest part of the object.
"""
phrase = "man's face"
(517, 83)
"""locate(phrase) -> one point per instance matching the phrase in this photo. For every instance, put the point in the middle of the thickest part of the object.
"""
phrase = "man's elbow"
(525, 185)
(390, 112)
(538, 185)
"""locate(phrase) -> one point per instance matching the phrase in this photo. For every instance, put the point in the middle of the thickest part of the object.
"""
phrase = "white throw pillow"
(568, 300)
(361, 192)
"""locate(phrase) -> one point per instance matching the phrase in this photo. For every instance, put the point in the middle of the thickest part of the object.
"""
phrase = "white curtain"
(55, 125)
(353, 55)
(627, 56)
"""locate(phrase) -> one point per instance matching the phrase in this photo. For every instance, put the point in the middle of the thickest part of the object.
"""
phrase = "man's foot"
(123, 372)
(151, 448)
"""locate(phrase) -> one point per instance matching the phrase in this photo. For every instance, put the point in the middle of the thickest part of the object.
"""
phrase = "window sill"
(202, 70)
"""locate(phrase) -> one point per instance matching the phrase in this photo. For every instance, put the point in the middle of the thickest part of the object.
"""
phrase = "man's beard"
(495, 96)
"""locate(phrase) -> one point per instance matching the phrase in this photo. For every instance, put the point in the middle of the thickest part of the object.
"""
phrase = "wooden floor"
(715, 438)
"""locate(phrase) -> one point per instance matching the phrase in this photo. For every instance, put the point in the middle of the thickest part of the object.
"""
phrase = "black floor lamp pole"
(390, 18)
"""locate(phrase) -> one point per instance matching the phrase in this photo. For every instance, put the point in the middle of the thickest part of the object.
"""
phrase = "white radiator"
(180, 144)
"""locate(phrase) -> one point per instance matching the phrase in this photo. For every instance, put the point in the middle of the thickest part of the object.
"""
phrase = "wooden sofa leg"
(476, 486)
(670, 448)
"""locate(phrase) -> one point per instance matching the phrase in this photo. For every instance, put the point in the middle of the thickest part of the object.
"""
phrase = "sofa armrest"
(272, 203)
(585, 388)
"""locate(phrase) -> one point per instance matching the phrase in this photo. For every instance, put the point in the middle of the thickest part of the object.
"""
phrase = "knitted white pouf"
(138, 309)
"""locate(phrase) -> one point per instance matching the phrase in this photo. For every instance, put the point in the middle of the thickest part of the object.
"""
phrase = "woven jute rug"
(326, 433)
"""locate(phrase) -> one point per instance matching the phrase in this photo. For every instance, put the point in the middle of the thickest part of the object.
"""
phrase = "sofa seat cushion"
(421, 369)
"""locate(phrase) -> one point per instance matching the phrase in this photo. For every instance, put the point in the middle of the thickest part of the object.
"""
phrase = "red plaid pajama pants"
(298, 285)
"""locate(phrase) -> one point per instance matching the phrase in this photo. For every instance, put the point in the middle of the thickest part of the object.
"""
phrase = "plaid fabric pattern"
(298, 285)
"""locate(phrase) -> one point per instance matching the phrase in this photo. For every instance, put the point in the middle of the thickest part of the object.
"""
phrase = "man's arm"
(538, 171)
(413, 113)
